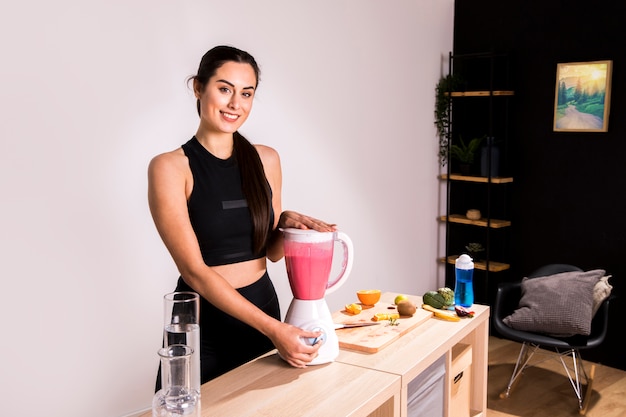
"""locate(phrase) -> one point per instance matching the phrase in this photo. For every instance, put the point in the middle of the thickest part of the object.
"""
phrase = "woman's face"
(226, 100)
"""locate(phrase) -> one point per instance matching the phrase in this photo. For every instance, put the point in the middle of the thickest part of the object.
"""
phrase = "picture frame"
(582, 96)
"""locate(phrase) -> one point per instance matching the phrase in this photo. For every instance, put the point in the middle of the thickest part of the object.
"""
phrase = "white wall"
(91, 90)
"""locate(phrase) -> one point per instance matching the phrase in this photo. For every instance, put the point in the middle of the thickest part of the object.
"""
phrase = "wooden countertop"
(357, 383)
(268, 386)
(271, 387)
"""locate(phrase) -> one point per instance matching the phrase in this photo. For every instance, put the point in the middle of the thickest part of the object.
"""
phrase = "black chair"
(506, 301)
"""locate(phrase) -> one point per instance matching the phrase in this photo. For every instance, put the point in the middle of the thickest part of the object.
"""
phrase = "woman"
(214, 201)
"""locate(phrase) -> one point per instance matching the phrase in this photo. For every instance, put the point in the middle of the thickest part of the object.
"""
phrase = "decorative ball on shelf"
(473, 214)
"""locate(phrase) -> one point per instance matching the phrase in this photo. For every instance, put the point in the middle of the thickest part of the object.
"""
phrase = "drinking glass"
(182, 327)
(176, 397)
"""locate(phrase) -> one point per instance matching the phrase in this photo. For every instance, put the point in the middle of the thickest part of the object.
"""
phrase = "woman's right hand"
(297, 220)
(288, 340)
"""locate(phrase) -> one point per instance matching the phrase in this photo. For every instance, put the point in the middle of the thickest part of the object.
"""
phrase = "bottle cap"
(464, 262)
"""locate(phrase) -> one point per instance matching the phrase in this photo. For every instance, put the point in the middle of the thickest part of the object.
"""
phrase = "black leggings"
(225, 342)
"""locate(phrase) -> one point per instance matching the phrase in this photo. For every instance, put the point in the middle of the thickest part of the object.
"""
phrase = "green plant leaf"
(443, 120)
(465, 152)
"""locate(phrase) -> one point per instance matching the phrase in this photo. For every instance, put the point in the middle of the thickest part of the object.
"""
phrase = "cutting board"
(372, 339)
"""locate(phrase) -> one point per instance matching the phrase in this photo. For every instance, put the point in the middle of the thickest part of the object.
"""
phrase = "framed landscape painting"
(582, 97)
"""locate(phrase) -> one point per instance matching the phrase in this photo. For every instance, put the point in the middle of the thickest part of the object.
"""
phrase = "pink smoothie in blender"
(311, 264)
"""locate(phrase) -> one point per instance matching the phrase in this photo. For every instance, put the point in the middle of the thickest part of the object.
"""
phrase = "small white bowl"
(473, 214)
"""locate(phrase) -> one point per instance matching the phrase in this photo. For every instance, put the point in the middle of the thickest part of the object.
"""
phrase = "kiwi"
(406, 308)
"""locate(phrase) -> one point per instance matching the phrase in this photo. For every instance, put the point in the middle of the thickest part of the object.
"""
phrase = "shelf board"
(485, 93)
(473, 178)
(482, 265)
(493, 223)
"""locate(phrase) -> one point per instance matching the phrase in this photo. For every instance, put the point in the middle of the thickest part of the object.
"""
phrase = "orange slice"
(368, 297)
(384, 316)
(353, 308)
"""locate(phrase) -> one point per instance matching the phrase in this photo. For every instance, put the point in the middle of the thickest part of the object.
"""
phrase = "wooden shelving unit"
(479, 108)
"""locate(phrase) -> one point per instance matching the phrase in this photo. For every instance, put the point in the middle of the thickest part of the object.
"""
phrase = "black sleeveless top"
(218, 209)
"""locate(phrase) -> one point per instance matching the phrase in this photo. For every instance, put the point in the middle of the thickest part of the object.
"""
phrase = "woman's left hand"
(300, 221)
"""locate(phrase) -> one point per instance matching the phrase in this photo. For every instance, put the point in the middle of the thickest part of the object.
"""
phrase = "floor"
(545, 391)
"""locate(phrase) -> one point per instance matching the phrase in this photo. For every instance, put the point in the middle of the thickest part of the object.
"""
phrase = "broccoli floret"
(447, 294)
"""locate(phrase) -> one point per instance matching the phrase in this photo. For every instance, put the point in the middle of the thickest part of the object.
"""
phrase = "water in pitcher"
(186, 334)
(308, 268)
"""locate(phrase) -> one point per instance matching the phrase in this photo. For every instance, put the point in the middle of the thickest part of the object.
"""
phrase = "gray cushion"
(601, 292)
(558, 305)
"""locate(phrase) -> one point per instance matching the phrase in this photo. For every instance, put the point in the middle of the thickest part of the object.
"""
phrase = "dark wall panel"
(568, 204)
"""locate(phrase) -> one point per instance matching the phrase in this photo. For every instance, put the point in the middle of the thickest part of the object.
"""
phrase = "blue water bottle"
(464, 287)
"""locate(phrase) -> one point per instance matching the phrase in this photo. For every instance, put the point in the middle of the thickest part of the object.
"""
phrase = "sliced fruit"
(353, 308)
(445, 315)
(368, 297)
(383, 316)
(463, 312)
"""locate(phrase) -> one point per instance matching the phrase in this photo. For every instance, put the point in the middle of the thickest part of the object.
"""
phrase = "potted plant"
(443, 109)
(465, 153)
(474, 250)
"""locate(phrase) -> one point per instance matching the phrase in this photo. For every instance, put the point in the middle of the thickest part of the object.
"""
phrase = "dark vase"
(489, 149)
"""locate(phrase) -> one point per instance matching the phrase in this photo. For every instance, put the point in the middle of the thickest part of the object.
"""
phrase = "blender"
(309, 259)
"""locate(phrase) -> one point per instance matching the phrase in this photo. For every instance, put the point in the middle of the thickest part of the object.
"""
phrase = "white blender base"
(314, 315)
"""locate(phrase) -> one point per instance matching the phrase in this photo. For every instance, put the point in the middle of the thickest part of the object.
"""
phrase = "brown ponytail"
(256, 189)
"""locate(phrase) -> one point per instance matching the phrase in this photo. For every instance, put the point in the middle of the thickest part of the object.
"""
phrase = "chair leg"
(585, 403)
(576, 380)
(575, 374)
(525, 354)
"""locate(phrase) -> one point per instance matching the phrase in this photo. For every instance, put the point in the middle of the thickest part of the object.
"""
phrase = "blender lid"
(307, 235)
